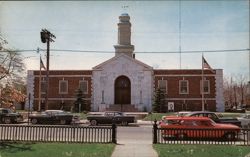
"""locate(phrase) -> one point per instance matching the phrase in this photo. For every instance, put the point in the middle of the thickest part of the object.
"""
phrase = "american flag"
(41, 64)
(205, 64)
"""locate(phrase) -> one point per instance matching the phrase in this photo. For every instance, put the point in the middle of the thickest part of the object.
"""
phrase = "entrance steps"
(123, 108)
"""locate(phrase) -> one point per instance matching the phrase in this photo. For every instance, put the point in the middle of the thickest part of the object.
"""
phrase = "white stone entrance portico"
(139, 74)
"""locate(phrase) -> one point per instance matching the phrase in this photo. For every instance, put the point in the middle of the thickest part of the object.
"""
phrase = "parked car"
(197, 127)
(245, 120)
(7, 116)
(214, 117)
(110, 117)
(51, 117)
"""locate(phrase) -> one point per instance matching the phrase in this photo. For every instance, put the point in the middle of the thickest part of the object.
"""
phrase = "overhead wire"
(152, 52)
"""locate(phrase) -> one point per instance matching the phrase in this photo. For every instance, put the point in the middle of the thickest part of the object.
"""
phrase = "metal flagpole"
(202, 84)
(40, 78)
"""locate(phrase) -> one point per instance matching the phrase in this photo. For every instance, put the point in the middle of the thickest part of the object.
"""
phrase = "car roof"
(54, 111)
(201, 112)
(186, 118)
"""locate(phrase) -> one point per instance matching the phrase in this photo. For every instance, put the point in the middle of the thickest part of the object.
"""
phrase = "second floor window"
(63, 87)
(162, 85)
(206, 86)
(183, 87)
(83, 85)
(43, 87)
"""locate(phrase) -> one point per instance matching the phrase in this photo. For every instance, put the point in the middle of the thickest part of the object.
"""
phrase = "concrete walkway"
(134, 142)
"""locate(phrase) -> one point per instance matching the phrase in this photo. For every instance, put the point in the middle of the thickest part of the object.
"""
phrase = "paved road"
(134, 142)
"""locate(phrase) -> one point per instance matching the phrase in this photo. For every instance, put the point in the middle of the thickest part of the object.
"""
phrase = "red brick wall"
(73, 78)
(193, 98)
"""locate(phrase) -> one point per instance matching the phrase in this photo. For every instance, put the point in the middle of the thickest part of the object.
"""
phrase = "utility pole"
(47, 37)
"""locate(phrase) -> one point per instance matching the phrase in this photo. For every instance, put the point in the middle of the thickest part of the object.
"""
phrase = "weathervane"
(125, 7)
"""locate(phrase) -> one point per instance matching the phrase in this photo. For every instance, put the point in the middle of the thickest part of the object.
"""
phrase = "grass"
(81, 115)
(55, 150)
(201, 150)
(157, 116)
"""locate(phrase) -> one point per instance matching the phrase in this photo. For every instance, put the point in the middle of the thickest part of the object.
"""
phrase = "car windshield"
(212, 122)
(245, 116)
(171, 121)
(54, 112)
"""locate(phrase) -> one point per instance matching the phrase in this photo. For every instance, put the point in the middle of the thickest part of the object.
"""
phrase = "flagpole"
(202, 84)
(40, 78)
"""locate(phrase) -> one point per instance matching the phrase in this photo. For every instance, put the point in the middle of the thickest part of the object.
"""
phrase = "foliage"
(11, 76)
(235, 91)
(80, 103)
(55, 150)
(11, 95)
(11, 66)
(159, 101)
(201, 150)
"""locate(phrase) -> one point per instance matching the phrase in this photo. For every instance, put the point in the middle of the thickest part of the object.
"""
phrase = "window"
(63, 87)
(83, 85)
(102, 97)
(43, 87)
(206, 86)
(162, 85)
(183, 87)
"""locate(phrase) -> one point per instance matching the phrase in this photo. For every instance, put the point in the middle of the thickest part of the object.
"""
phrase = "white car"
(245, 121)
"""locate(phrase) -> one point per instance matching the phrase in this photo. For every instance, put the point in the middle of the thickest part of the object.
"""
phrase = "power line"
(146, 52)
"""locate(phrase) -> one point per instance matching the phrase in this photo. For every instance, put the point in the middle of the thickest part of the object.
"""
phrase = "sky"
(156, 27)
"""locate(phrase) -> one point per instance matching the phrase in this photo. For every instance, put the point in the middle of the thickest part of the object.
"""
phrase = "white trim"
(97, 67)
(65, 76)
(183, 75)
(60, 81)
(189, 99)
(180, 87)
(59, 99)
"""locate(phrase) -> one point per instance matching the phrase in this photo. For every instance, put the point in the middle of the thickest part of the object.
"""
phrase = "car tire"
(34, 121)
(63, 121)
(230, 136)
(124, 123)
(7, 120)
(93, 122)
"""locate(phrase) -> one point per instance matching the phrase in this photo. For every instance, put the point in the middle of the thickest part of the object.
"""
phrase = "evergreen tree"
(80, 103)
(159, 101)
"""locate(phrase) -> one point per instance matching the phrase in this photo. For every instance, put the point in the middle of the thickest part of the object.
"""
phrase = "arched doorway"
(122, 90)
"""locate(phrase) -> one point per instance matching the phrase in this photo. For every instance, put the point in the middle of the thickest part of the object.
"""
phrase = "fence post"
(155, 132)
(114, 132)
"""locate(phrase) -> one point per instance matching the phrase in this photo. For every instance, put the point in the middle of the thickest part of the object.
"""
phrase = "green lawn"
(156, 116)
(201, 150)
(55, 150)
(81, 115)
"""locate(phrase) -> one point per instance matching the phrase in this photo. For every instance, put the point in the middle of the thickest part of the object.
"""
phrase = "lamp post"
(47, 37)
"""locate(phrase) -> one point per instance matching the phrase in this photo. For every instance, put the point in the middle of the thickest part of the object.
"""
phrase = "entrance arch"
(122, 90)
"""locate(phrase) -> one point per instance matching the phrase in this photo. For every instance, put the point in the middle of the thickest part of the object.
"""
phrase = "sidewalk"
(134, 143)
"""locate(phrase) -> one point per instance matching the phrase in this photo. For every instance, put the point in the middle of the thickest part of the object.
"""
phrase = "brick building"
(127, 84)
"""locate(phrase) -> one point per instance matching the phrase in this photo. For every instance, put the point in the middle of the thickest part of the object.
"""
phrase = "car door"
(109, 118)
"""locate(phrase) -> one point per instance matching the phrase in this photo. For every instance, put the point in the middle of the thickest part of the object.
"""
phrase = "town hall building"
(127, 84)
